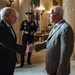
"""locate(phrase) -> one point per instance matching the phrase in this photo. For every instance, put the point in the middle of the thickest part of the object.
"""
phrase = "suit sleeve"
(40, 46)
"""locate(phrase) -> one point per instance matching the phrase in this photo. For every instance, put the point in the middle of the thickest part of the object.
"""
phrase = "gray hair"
(7, 11)
(58, 9)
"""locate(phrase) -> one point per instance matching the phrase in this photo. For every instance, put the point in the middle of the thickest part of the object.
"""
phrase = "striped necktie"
(10, 27)
(53, 29)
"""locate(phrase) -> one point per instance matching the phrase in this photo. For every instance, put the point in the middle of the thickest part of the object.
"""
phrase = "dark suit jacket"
(8, 49)
(59, 47)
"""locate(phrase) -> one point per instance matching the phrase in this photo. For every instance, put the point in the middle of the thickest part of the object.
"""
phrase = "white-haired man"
(8, 45)
(59, 44)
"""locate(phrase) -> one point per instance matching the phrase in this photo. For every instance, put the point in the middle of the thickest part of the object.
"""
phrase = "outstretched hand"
(30, 48)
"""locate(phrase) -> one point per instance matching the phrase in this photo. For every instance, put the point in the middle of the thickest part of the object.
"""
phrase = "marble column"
(69, 14)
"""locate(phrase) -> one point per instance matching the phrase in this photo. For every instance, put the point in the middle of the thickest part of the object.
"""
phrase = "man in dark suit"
(8, 45)
(59, 45)
(28, 28)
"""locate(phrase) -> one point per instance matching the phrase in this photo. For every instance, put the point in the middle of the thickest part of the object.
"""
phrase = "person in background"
(28, 28)
(8, 45)
(59, 44)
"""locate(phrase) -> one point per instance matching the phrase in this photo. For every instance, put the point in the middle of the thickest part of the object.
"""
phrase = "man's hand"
(30, 47)
(26, 32)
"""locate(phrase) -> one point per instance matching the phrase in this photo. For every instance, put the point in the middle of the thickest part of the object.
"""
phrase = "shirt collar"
(57, 24)
(60, 21)
(6, 23)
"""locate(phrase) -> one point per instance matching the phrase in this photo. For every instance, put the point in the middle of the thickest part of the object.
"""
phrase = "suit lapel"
(3, 23)
(14, 33)
(52, 33)
(55, 30)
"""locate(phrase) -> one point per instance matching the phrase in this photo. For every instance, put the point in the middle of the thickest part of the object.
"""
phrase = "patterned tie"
(53, 29)
(10, 27)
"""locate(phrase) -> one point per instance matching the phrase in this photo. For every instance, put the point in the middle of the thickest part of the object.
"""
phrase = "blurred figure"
(35, 17)
(8, 45)
(59, 44)
(28, 28)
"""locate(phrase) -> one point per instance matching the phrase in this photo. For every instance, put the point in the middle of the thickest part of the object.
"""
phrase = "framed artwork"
(36, 2)
(35, 12)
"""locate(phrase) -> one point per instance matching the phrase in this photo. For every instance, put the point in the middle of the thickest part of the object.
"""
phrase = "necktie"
(53, 29)
(10, 27)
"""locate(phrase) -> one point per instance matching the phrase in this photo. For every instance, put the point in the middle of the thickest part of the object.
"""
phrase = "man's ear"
(5, 17)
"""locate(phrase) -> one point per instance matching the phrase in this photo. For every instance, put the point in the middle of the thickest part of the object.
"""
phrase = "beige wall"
(44, 19)
(2, 3)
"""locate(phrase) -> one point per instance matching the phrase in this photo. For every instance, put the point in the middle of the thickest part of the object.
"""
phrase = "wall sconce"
(10, 3)
(42, 9)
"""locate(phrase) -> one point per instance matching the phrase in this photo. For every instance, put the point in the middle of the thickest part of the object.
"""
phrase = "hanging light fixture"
(10, 3)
